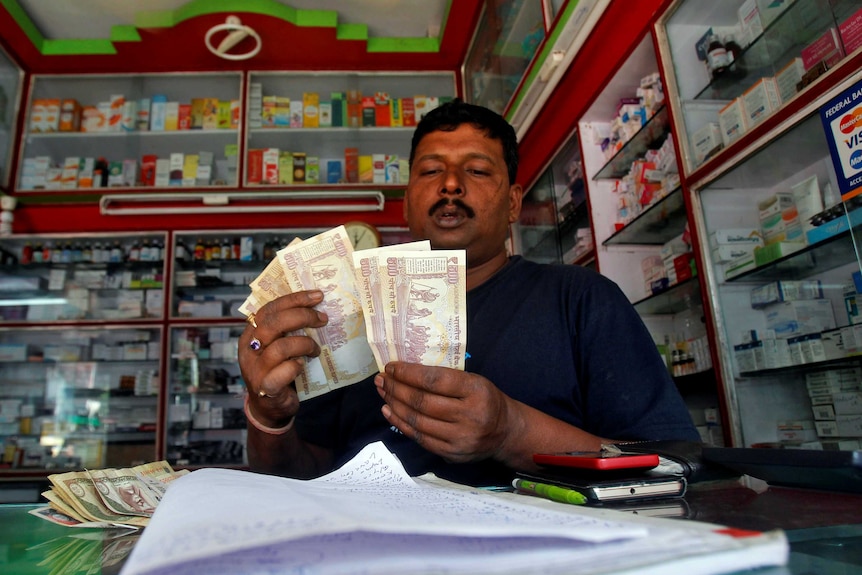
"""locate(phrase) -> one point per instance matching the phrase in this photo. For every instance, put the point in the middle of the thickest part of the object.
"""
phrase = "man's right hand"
(271, 357)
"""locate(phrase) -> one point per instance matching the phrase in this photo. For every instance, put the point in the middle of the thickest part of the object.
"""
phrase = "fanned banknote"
(375, 314)
(369, 286)
(325, 262)
(425, 304)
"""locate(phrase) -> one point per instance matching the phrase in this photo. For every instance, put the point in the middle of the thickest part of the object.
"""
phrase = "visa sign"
(842, 121)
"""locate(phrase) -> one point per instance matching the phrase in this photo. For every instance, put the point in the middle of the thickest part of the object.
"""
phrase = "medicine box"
(760, 101)
(739, 265)
(834, 227)
(732, 122)
(849, 425)
(788, 77)
(847, 403)
(729, 252)
(780, 291)
(13, 352)
(766, 254)
(706, 141)
(731, 236)
(850, 31)
(792, 318)
(823, 412)
(749, 22)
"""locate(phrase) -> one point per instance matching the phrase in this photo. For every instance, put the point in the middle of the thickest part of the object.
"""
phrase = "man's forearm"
(532, 431)
(286, 455)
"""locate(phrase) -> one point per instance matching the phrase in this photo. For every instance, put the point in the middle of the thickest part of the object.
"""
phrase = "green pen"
(552, 492)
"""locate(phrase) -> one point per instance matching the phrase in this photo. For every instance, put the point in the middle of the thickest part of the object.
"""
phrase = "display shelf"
(808, 261)
(328, 128)
(205, 422)
(674, 299)
(151, 131)
(801, 42)
(650, 136)
(852, 360)
(79, 396)
(781, 41)
(656, 225)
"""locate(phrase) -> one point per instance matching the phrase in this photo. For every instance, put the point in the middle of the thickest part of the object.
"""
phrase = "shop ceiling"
(162, 35)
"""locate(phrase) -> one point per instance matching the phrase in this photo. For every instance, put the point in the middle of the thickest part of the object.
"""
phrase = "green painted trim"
(351, 32)
(77, 47)
(24, 22)
(317, 18)
(194, 8)
(542, 57)
(404, 45)
(125, 34)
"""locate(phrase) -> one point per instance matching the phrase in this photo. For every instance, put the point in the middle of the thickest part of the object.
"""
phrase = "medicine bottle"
(716, 57)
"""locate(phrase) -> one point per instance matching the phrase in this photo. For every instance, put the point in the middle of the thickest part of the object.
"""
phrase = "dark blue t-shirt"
(562, 339)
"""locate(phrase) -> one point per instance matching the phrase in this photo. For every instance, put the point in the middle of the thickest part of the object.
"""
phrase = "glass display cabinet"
(507, 37)
(80, 398)
(340, 128)
(733, 64)
(205, 424)
(554, 226)
(79, 277)
(781, 261)
(87, 132)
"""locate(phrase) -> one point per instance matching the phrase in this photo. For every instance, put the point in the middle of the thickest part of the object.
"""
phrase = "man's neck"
(479, 274)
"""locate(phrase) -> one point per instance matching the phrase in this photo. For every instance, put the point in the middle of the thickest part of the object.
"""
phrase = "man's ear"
(516, 197)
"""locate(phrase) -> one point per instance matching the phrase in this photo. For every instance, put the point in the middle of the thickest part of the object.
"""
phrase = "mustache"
(457, 202)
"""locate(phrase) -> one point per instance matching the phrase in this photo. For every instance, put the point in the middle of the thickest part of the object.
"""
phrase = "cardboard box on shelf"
(732, 121)
(792, 318)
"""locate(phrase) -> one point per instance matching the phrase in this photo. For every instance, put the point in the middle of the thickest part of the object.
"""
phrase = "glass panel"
(508, 35)
(80, 397)
(735, 63)
(10, 87)
(554, 226)
(783, 267)
(205, 422)
(131, 131)
(77, 277)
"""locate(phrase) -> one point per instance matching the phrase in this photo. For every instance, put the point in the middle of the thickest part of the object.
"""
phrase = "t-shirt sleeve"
(628, 392)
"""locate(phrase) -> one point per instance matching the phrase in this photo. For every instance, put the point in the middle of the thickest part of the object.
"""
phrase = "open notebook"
(371, 517)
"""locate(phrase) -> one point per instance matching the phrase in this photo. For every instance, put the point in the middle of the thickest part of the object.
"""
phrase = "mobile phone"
(598, 460)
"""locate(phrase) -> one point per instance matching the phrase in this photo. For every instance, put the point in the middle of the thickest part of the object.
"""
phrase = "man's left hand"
(460, 416)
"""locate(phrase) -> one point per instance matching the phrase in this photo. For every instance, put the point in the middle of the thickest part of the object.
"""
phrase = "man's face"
(459, 195)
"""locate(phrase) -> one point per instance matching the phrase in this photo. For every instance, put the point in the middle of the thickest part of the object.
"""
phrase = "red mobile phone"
(598, 460)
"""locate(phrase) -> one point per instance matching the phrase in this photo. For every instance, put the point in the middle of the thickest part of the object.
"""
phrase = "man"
(558, 358)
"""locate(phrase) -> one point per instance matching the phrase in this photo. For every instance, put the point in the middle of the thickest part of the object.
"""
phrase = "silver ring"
(254, 344)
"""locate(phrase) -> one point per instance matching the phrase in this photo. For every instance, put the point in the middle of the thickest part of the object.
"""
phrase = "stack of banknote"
(403, 302)
(107, 497)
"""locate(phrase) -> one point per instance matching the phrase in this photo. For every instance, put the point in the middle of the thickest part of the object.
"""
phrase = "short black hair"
(449, 115)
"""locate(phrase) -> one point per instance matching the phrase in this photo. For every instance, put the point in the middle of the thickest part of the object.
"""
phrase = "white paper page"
(213, 511)
(369, 516)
